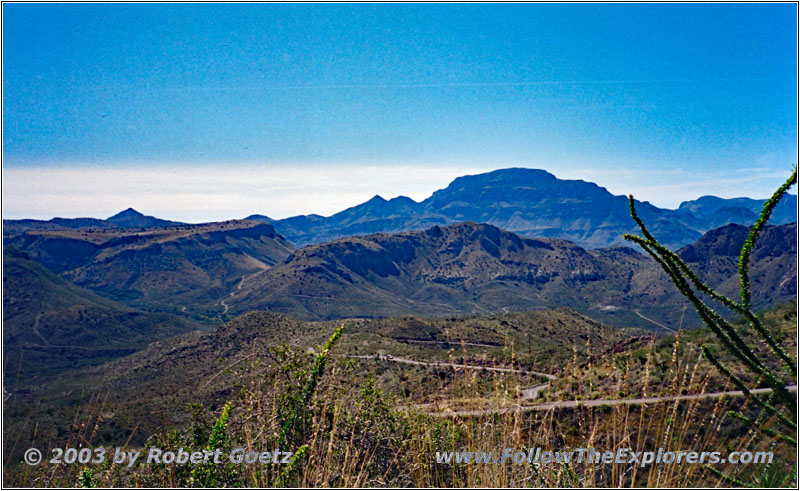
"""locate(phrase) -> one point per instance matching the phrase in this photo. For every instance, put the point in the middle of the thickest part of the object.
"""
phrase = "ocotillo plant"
(690, 285)
(206, 475)
(298, 411)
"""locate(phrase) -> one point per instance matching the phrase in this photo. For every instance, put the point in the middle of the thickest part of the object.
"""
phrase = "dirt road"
(532, 393)
(398, 359)
(234, 292)
(598, 402)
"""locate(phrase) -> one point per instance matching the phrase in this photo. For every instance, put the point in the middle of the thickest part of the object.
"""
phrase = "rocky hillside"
(50, 325)
(477, 268)
(170, 373)
(533, 203)
(180, 268)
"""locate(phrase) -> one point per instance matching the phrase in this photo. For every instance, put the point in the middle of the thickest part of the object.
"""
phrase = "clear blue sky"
(598, 89)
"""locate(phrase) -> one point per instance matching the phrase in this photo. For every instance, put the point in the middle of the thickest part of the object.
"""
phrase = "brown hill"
(181, 268)
(477, 268)
(51, 325)
(153, 386)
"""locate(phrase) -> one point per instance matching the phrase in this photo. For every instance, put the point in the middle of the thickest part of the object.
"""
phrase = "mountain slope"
(182, 268)
(51, 325)
(534, 203)
(129, 218)
(437, 271)
(773, 265)
(478, 268)
(170, 373)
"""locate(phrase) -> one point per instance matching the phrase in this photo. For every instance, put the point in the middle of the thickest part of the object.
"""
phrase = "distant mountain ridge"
(530, 202)
(470, 268)
(533, 203)
(128, 218)
(131, 218)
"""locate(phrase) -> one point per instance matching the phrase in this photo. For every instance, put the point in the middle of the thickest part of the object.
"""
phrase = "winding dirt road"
(234, 292)
(599, 402)
(48, 344)
(399, 359)
(636, 311)
(532, 393)
(450, 343)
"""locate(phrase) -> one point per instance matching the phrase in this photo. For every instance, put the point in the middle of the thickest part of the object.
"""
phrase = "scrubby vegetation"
(345, 430)
(773, 367)
(645, 368)
(374, 401)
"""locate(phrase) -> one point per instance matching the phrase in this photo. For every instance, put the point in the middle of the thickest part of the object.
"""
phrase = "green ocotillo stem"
(691, 287)
(721, 328)
(310, 384)
(737, 382)
(749, 243)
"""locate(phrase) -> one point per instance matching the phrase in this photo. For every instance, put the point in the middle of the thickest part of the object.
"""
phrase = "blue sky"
(292, 105)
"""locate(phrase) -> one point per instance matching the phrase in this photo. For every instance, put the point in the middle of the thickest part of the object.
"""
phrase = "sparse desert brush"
(336, 426)
(773, 368)
(348, 432)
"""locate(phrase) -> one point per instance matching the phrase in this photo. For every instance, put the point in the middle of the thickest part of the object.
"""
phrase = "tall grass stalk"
(783, 408)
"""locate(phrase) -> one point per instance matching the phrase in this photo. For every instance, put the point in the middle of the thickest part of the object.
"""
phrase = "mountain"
(529, 202)
(260, 218)
(376, 215)
(534, 203)
(478, 268)
(179, 268)
(51, 325)
(129, 218)
(740, 210)
(772, 265)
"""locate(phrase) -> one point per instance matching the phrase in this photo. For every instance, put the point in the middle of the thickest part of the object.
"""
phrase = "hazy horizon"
(198, 112)
(227, 188)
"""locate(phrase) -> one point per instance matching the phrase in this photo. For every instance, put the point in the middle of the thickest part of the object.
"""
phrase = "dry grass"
(356, 435)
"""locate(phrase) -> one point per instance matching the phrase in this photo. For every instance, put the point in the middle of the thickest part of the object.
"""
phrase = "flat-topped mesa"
(533, 203)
